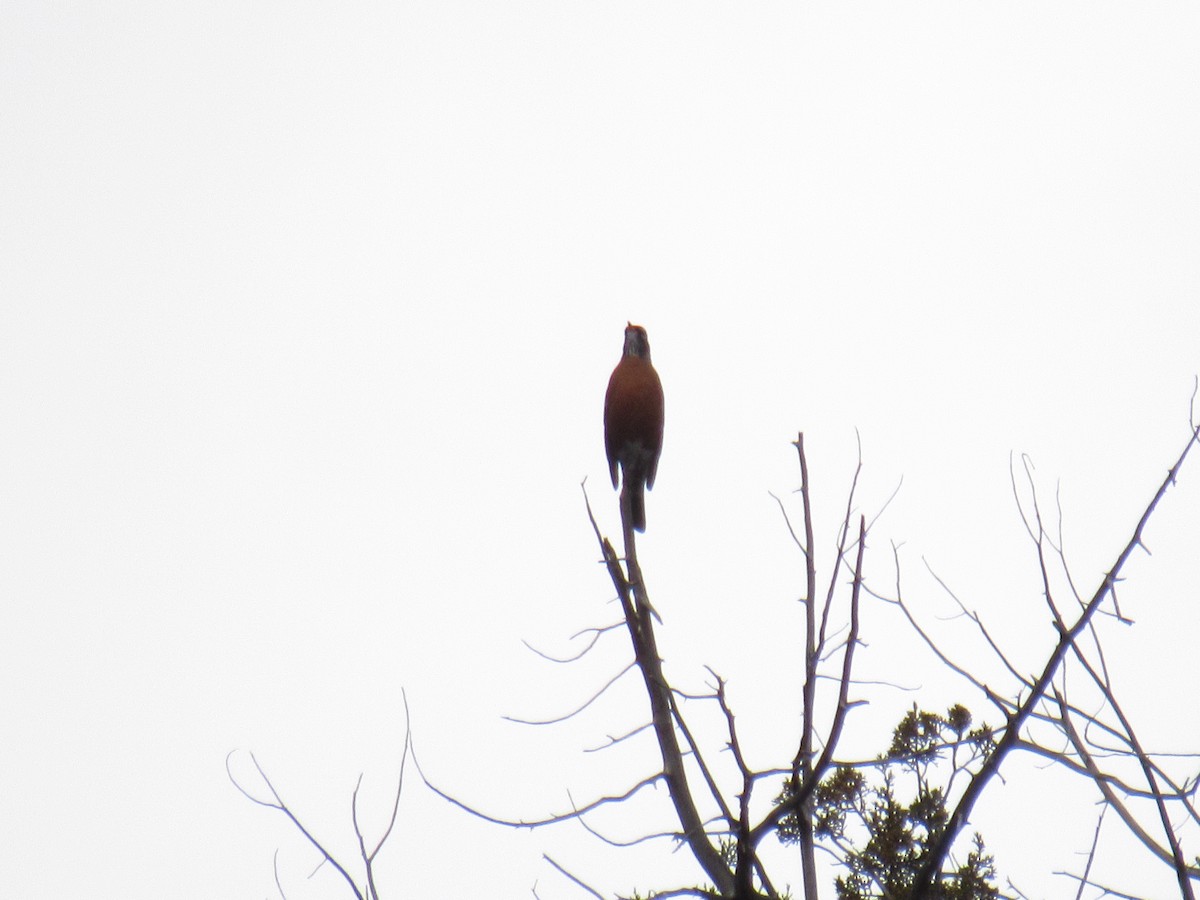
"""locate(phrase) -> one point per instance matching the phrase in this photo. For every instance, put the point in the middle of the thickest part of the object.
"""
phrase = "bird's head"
(636, 342)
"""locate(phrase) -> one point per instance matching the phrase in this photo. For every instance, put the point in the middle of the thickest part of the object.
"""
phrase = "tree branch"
(991, 766)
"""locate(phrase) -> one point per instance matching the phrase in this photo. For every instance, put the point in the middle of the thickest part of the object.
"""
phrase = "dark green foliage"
(881, 839)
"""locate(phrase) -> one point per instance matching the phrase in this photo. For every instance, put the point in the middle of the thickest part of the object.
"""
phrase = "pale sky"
(306, 316)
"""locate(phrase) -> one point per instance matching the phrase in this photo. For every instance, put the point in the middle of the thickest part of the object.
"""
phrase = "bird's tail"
(637, 504)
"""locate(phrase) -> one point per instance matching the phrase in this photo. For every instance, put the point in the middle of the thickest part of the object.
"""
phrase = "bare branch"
(843, 704)
(536, 823)
(978, 621)
(362, 846)
(1107, 891)
(613, 842)
(1011, 734)
(1087, 870)
(591, 890)
(590, 700)
(839, 559)
(705, 773)
(275, 871)
(787, 520)
(595, 632)
(961, 671)
(803, 791)
(283, 807)
(1176, 852)
(636, 604)
(399, 781)
(613, 741)
(1110, 797)
(802, 763)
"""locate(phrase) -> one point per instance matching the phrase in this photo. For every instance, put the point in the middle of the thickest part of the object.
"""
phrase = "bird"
(633, 422)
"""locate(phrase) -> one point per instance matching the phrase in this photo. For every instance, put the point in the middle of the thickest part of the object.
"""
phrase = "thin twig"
(278, 803)
(596, 633)
(591, 890)
(536, 823)
(569, 715)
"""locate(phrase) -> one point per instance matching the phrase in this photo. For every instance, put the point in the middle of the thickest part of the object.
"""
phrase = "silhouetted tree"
(891, 822)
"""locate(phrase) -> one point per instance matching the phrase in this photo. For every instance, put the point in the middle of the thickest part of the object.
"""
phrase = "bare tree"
(720, 831)
(721, 828)
(853, 809)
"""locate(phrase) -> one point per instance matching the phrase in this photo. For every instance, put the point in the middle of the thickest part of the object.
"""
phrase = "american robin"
(633, 422)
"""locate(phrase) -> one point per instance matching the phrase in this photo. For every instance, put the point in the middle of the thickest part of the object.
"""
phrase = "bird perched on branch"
(633, 422)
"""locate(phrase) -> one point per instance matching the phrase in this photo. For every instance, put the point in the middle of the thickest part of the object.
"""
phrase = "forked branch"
(368, 891)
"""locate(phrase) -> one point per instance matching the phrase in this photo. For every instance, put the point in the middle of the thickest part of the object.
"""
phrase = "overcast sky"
(306, 316)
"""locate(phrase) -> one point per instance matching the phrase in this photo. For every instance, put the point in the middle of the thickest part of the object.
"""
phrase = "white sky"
(306, 315)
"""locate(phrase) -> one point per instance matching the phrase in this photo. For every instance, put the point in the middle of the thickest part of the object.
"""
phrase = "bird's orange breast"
(633, 419)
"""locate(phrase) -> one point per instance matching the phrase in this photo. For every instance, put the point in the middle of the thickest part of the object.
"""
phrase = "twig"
(591, 890)
(536, 823)
(277, 803)
(596, 632)
(1087, 870)
(565, 716)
